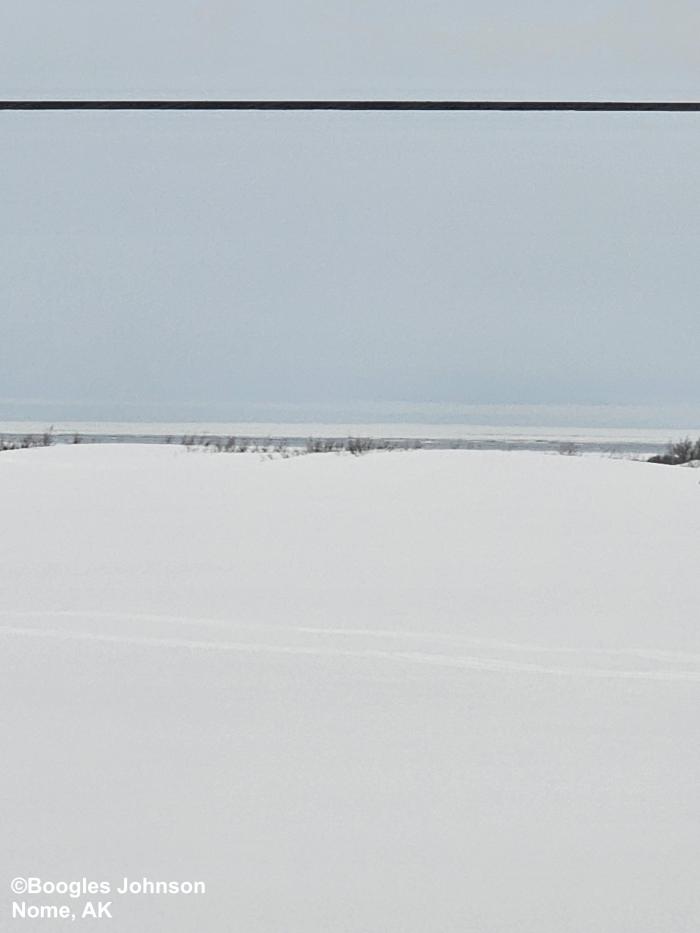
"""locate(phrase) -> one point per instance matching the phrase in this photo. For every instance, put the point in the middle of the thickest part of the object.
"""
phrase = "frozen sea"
(615, 439)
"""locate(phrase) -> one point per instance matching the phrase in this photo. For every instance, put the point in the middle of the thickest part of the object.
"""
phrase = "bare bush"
(678, 452)
(568, 449)
(279, 447)
(323, 445)
(27, 441)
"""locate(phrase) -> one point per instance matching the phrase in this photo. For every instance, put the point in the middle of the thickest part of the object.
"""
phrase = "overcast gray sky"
(152, 262)
(451, 48)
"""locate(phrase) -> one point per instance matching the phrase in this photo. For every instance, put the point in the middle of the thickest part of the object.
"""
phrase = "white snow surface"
(405, 692)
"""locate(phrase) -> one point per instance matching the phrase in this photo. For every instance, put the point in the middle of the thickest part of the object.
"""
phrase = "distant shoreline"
(565, 439)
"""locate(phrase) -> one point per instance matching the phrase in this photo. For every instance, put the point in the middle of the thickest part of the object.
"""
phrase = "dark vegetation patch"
(679, 452)
(28, 440)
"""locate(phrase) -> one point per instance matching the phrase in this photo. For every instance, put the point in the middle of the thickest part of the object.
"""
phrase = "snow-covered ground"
(405, 692)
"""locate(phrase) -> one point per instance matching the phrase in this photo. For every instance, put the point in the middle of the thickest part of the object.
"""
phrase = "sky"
(166, 264)
(349, 48)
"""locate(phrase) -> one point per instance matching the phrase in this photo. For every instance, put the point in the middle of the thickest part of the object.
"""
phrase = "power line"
(358, 105)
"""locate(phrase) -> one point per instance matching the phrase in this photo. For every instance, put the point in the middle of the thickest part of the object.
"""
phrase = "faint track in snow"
(424, 658)
(346, 633)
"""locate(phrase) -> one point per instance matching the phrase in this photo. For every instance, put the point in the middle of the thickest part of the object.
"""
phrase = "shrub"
(568, 449)
(679, 452)
(323, 445)
(29, 440)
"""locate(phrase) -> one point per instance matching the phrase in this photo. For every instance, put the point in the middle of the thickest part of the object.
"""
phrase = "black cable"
(368, 105)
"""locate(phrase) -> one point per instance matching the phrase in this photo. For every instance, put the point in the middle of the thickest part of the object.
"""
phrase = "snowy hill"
(410, 691)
